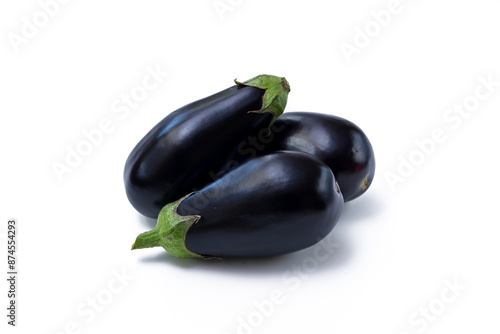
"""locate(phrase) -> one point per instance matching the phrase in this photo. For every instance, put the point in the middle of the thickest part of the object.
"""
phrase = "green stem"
(275, 96)
(170, 231)
(147, 239)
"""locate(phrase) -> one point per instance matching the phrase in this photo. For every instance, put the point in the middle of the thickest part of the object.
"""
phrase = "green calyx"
(170, 232)
(275, 96)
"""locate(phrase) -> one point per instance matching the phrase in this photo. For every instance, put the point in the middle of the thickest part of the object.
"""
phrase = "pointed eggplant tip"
(147, 239)
(286, 85)
(137, 244)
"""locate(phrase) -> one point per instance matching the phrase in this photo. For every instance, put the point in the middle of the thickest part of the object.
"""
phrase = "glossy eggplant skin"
(271, 205)
(339, 143)
(184, 151)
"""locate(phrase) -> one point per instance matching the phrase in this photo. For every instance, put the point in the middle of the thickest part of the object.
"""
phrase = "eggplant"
(339, 143)
(270, 205)
(192, 146)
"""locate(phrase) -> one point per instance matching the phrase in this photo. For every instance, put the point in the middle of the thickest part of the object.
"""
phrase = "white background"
(397, 248)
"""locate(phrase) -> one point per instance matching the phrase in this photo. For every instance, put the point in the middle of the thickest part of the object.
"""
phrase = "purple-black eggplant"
(190, 147)
(339, 143)
(270, 205)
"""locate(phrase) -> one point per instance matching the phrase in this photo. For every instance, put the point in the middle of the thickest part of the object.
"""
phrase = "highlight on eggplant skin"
(336, 141)
(190, 146)
(271, 205)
